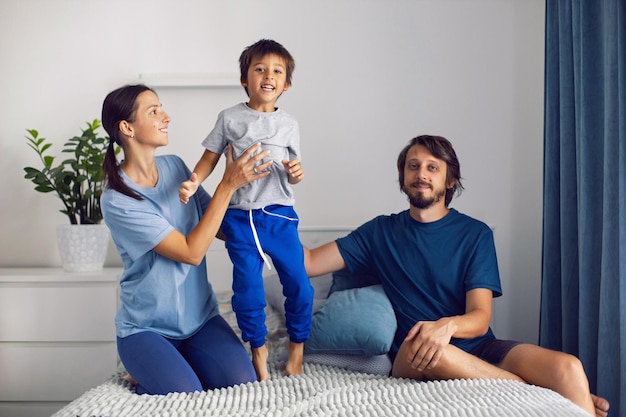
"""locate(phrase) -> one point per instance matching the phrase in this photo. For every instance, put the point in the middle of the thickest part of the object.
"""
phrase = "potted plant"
(78, 182)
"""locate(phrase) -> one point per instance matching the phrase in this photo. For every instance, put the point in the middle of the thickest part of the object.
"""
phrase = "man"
(439, 270)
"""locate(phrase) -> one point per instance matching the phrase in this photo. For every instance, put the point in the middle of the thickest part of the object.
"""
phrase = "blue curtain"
(583, 299)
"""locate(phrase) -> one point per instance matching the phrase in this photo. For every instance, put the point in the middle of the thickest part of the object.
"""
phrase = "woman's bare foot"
(602, 406)
(294, 362)
(259, 361)
(129, 379)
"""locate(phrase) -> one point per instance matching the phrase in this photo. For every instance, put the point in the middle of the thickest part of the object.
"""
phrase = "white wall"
(370, 75)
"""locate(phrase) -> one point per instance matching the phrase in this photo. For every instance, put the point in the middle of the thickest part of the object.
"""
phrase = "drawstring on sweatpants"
(257, 242)
(256, 236)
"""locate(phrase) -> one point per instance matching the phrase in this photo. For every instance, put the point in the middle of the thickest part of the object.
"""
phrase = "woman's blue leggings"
(212, 358)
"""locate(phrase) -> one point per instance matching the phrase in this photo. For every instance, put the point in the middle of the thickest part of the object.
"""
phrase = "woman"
(170, 335)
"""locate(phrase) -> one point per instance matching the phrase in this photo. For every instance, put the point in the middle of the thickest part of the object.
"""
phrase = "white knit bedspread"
(324, 391)
(329, 391)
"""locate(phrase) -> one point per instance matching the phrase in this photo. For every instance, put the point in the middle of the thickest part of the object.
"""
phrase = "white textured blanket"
(329, 391)
(325, 390)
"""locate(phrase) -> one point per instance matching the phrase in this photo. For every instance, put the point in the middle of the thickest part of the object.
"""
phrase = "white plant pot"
(82, 247)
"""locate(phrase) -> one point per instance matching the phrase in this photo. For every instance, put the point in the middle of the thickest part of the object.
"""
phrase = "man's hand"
(294, 171)
(188, 188)
(428, 339)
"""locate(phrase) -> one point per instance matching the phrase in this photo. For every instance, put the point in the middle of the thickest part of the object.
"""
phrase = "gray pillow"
(274, 291)
(368, 364)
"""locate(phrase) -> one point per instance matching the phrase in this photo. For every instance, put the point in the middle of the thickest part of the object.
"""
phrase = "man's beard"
(421, 202)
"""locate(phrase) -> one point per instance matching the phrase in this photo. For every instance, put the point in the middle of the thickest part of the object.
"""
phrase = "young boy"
(260, 218)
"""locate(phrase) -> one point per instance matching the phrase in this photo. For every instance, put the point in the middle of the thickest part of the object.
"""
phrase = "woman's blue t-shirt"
(157, 293)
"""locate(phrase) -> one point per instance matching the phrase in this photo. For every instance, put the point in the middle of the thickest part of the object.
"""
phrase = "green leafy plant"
(79, 180)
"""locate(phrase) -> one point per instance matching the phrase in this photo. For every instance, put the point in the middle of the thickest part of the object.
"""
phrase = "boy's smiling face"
(267, 79)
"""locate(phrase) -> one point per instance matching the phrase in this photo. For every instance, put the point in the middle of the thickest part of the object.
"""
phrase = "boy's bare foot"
(259, 361)
(294, 362)
(602, 406)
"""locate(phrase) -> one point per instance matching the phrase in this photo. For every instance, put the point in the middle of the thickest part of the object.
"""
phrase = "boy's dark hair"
(262, 48)
(442, 149)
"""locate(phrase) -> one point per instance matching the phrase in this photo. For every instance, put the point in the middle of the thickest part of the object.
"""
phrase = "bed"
(341, 376)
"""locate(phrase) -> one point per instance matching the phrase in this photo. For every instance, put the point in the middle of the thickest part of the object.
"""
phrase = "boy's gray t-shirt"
(278, 132)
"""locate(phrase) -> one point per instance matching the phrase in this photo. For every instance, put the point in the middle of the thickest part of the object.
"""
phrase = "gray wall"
(370, 75)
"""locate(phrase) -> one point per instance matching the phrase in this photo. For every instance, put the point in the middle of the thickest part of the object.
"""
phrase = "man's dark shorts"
(494, 350)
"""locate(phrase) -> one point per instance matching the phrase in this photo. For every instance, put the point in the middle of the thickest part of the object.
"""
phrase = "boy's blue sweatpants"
(277, 231)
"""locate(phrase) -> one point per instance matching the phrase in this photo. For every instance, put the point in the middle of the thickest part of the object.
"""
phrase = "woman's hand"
(192, 248)
(244, 170)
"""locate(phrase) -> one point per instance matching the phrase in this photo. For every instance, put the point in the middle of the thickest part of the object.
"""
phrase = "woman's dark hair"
(442, 149)
(260, 49)
(119, 105)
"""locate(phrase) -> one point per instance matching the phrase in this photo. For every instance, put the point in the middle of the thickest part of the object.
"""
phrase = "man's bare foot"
(294, 362)
(602, 406)
(259, 361)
